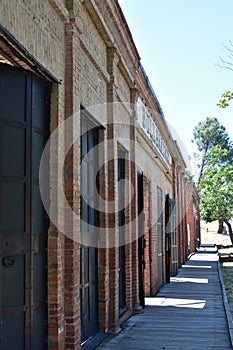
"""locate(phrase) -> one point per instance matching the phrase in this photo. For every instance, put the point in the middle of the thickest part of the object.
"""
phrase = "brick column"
(112, 197)
(103, 256)
(147, 257)
(56, 323)
(134, 207)
(179, 218)
(153, 239)
(184, 215)
(128, 247)
(72, 190)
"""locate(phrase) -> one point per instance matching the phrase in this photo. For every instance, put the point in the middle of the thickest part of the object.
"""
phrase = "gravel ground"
(209, 235)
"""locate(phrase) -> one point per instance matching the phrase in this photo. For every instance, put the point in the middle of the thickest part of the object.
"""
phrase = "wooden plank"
(194, 318)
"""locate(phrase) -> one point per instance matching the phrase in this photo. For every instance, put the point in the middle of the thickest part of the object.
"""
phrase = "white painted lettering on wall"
(148, 125)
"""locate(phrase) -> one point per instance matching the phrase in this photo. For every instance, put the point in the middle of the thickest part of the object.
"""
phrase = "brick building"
(111, 180)
(193, 218)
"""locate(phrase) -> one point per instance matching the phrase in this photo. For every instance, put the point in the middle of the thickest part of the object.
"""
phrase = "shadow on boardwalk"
(187, 313)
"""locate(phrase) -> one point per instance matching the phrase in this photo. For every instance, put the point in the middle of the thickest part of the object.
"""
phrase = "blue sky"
(180, 43)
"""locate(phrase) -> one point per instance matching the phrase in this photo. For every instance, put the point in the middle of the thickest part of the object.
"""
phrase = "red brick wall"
(193, 216)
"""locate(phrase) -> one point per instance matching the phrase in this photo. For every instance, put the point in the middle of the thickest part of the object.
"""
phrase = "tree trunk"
(230, 230)
(220, 226)
(203, 164)
(201, 173)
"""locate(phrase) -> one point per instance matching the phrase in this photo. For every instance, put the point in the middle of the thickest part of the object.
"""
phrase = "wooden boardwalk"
(187, 313)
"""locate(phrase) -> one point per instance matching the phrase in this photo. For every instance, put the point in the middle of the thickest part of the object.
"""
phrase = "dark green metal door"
(23, 224)
(121, 223)
(141, 237)
(90, 219)
(160, 235)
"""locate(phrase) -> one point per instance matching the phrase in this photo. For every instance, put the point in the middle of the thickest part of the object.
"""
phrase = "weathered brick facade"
(84, 49)
(193, 218)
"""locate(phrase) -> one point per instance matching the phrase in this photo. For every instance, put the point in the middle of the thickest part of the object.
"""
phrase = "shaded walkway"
(187, 313)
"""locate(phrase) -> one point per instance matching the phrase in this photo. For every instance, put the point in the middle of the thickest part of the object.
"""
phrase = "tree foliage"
(216, 189)
(208, 134)
(226, 97)
(189, 176)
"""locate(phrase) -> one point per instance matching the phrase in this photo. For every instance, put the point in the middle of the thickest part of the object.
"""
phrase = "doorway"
(160, 235)
(90, 219)
(24, 129)
(141, 238)
(121, 223)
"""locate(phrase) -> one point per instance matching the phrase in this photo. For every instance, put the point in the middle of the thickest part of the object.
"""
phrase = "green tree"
(226, 97)
(207, 134)
(189, 176)
(216, 190)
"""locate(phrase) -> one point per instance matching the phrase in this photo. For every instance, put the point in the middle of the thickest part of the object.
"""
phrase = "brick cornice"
(123, 28)
(103, 72)
(120, 36)
(99, 21)
(60, 9)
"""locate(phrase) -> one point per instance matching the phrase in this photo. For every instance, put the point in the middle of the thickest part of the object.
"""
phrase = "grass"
(211, 236)
(227, 272)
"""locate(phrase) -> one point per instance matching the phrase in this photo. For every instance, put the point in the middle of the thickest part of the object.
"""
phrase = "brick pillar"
(56, 323)
(103, 290)
(103, 256)
(179, 218)
(134, 207)
(190, 216)
(184, 216)
(128, 247)
(153, 241)
(72, 190)
(147, 271)
(112, 197)
(56, 327)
